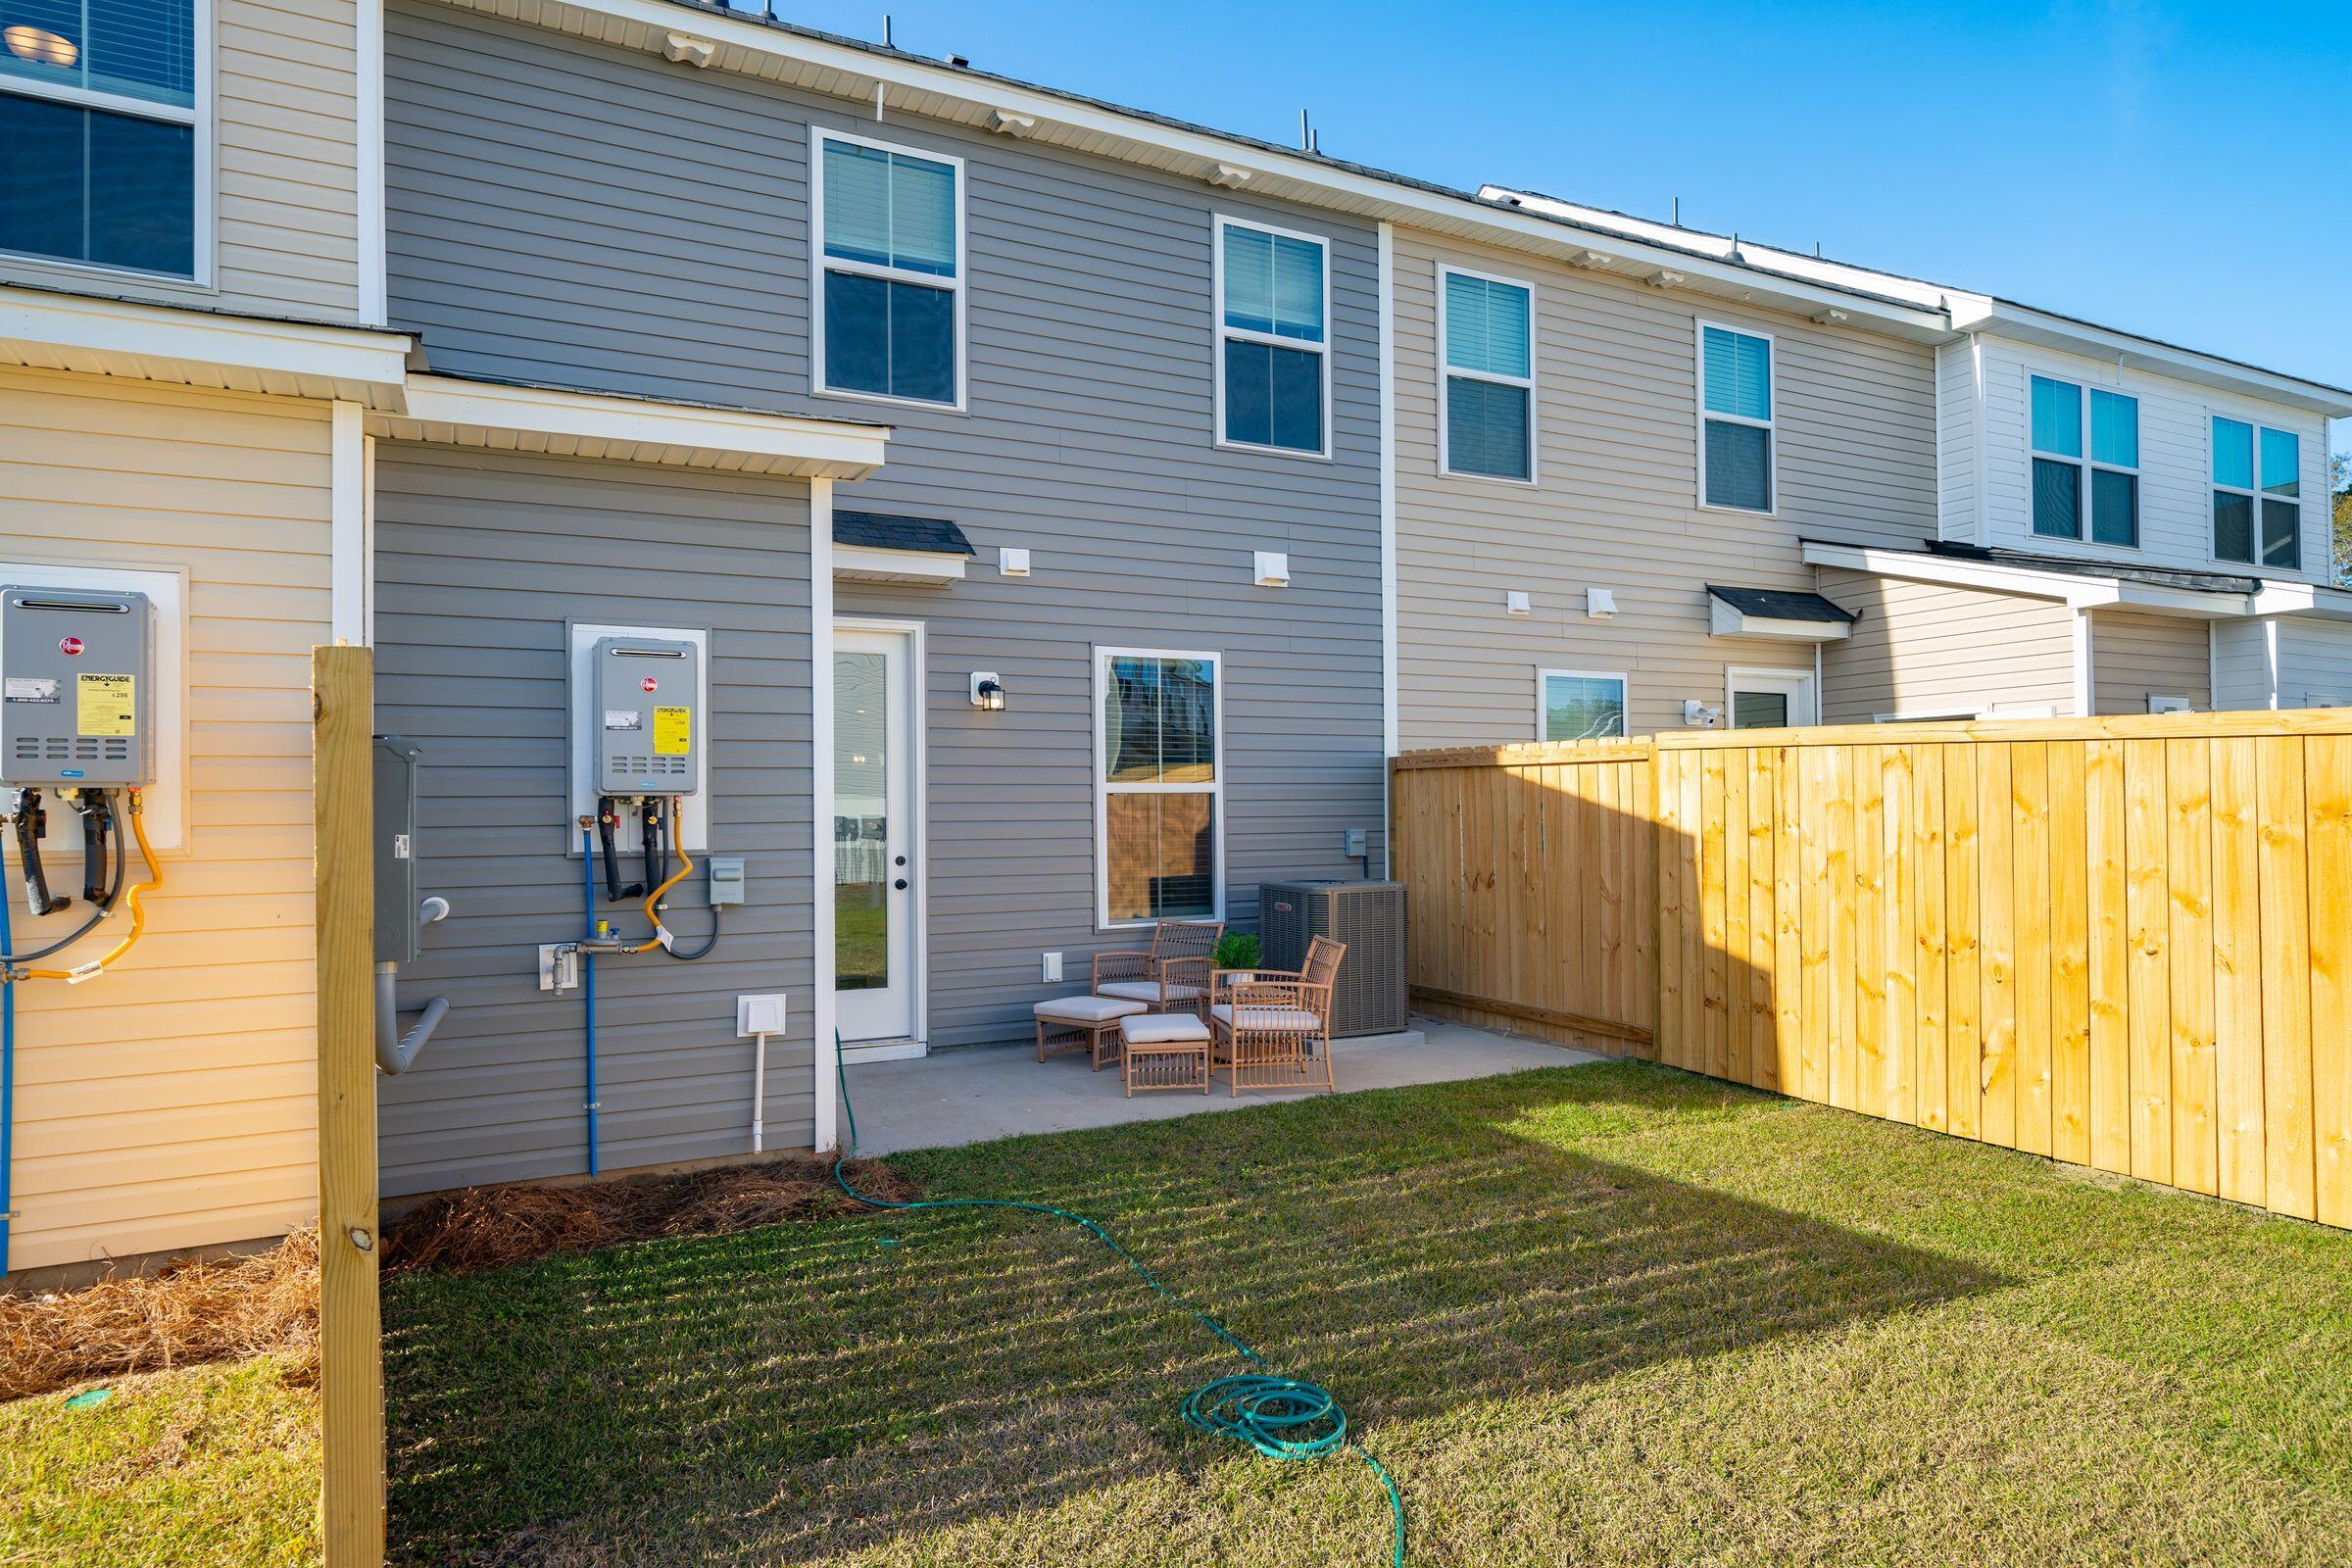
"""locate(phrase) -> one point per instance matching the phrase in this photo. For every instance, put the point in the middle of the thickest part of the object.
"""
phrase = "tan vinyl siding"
(1930, 647)
(171, 1103)
(285, 156)
(2136, 656)
(1615, 505)
(2315, 661)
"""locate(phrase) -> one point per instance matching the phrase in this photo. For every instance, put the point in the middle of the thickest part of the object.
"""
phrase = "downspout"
(588, 988)
(7, 1089)
(1388, 671)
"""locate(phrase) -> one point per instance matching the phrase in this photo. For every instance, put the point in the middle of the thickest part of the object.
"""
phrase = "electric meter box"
(77, 688)
(648, 715)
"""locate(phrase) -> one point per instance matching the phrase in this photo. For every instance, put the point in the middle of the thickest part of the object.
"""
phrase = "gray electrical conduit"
(395, 1050)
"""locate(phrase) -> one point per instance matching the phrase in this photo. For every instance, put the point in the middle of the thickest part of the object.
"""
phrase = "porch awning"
(1778, 614)
(875, 547)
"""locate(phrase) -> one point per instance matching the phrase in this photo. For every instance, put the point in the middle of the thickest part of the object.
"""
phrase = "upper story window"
(2061, 496)
(1735, 457)
(1273, 351)
(1488, 429)
(890, 318)
(2260, 526)
(98, 131)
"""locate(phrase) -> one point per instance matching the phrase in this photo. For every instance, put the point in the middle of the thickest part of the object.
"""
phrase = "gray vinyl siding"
(481, 558)
(1931, 648)
(569, 211)
(2136, 656)
(1616, 500)
(285, 176)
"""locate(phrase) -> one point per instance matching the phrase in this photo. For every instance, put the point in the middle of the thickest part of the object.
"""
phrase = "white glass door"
(876, 945)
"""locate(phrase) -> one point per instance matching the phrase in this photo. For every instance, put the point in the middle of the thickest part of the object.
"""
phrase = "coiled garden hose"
(1282, 1418)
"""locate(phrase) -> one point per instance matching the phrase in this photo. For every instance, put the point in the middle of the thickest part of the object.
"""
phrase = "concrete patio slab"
(971, 1095)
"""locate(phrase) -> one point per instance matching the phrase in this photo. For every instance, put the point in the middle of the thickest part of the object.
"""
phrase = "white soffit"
(46, 330)
(498, 417)
(913, 569)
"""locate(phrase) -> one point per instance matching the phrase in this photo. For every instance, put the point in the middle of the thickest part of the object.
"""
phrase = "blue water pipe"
(588, 985)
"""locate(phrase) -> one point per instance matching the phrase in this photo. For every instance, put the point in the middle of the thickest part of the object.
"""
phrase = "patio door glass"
(873, 871)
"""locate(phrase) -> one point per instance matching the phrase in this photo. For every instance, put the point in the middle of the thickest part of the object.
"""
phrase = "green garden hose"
(1282, 1418)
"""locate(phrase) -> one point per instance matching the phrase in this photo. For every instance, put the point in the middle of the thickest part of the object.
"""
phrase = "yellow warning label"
(673, 731)
(106, 704)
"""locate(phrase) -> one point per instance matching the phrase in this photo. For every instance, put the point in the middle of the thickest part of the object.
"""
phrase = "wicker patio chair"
(1171, 975)
(1271, 1029)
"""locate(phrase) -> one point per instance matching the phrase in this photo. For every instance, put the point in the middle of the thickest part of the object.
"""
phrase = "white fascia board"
(942, 91)
(100, 336)
(2301, 599)
(2081, 593)
(2181, 600)
(913, 567)
(1729, 620)
(2021, 323)
(541, 418)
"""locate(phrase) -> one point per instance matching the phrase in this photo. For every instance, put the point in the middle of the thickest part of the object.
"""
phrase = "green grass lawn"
(1601, 1315)
(211, 1465)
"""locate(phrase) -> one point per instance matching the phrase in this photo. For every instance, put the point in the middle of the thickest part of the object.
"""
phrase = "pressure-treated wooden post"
(350, 1501)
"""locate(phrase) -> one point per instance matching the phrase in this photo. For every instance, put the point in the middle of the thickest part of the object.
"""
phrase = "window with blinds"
(1737, 428)
(890, 319)
(2072, 484)
(1273, 354)
(1486, 430)
(2257, 511)
(99, 117)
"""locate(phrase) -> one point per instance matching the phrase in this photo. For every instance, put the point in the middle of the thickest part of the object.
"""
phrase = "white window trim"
(1447, 372)
(2087, 463)
(205, 176)
(1103, 653)
(1625, 698)
(1772, 383)
(2257, 424)
(1929, 716)
(1794, 684)
(1219, 222)
(819, 264)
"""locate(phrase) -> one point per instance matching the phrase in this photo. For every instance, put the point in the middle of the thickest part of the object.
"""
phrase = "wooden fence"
(2121, 942)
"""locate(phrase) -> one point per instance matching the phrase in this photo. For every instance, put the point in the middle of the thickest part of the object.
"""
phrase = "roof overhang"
(93, 335)
(453, 411)
(1994, 317)
(2074, 590)
(2303, 599)
(882, 78)
(1730, 621)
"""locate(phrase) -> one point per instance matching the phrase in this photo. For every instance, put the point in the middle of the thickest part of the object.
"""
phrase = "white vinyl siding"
(2175, 489)
(173, 1103)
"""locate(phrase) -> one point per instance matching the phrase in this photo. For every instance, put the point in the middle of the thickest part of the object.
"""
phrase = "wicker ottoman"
(1164, 1050)
(1082, 1023)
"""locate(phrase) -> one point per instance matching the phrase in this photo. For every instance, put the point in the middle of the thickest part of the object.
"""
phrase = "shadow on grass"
(784, 1395)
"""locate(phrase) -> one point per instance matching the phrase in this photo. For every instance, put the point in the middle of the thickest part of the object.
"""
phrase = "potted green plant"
(1238, 950)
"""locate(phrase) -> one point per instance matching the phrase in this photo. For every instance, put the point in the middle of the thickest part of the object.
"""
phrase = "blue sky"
(2175, 170)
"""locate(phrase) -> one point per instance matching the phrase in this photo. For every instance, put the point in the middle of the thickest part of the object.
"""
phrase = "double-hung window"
(890, 306)
(1159, 783)
(1737, 435)
(2257, 495)
(2065, 486)
(1489, 427)
(99, 132)
(1574, 704)
(1273, 339)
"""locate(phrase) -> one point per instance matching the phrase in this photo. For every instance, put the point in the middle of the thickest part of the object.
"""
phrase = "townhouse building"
(1055, 513)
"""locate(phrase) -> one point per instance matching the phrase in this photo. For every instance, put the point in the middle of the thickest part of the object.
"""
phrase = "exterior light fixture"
(988, 692)
(40, 46)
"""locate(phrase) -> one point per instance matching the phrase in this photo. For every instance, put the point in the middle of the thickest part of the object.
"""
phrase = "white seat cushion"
(1159, 1028)
(1148, 991)
(1286, 1020)
(1086, 1009)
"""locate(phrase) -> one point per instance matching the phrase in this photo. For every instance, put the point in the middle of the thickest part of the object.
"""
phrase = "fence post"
(351, 1501)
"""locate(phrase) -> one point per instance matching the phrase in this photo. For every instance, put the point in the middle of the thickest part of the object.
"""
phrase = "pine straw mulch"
(190, 1311)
